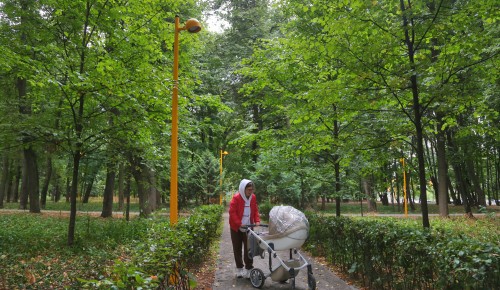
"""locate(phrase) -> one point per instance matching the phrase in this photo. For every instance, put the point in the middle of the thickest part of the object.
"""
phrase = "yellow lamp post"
(192, 26)
(222, 153)
(404, 187)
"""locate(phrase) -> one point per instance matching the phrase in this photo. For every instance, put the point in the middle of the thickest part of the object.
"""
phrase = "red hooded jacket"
(236, 208)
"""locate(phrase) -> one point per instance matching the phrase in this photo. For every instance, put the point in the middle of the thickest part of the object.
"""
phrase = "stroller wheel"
(311, 282)
(257, 278)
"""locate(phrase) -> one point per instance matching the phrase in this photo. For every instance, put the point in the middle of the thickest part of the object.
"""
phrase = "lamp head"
(192, 25)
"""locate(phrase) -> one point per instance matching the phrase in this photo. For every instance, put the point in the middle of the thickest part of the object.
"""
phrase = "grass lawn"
(358, 207)
(94, 205)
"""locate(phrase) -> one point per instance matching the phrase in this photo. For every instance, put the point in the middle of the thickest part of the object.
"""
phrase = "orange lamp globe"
(192, 25)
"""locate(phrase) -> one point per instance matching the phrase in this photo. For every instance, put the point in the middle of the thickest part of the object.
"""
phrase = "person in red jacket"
(243, 211)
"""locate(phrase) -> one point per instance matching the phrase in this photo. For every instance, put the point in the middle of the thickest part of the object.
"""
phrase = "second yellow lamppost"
(404, 188)
(222, 153)
(192, 26)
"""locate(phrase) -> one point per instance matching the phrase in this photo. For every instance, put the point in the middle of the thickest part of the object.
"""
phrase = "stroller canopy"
(284, 220)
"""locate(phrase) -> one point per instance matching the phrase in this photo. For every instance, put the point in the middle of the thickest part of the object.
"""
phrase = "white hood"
(241, 189)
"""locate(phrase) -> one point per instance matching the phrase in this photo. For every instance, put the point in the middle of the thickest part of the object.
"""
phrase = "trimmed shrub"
(264, 209)
(162, 259)
(399, 254)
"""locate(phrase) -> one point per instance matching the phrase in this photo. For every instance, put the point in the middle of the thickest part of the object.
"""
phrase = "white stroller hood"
(284, 220)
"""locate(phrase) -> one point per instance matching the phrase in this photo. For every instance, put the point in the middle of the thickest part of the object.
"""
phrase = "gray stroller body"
(287, 231)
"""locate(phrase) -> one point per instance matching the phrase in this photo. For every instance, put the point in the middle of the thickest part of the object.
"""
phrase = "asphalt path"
(225, 277)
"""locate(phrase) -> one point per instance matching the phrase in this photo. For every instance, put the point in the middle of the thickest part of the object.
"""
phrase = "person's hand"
(257, 224)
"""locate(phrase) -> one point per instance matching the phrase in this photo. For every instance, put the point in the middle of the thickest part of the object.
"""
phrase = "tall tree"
(359, 44)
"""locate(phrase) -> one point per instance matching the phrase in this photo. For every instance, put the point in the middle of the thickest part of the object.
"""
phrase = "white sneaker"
(246, 273)
(240, 272)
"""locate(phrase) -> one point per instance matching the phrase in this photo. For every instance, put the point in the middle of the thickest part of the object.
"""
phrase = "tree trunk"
(435, 187)
(442, 171)
(488, 179)
(336, 164)
(455, 197)
(127, 193)
(25, 110)
(462, 189)
(410, 191)
(57, 188)
(30, 183)
(139, 171)
(23, 196)
(417, 111)
(442, 198)
(393, 194)
(152, 190)
(497, 174)
(476, 184)
(431, 161)
(67, 195)
(9, 190)
(337, 189)
(121, 175)
(29, 187)
(88, 187)
(4, 181)
(459, 176)
(367, 188)
(384, 198)
(107, 203)
(73, 194)
(78, 109)
(398, 192)
(45, 187)
(420, 155)
(88, 191)
(15, 186)
(33, 185)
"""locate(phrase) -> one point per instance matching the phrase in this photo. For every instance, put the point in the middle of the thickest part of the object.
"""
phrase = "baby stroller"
(288, 230)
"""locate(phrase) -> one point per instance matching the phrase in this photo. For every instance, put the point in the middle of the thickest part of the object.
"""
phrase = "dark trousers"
(238, 238)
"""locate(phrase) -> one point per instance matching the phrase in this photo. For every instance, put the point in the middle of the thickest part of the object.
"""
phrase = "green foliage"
(34, 252)
(98, 81)
(107, 254)
(162, 257)
(333, 87)
(201, 179)
(125, 277)
(264, 209)
(397, 254)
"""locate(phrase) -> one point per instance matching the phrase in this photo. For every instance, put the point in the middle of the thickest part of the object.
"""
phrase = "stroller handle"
(253, 225)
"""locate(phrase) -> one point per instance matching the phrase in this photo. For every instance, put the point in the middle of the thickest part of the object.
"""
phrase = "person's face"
(249, 191)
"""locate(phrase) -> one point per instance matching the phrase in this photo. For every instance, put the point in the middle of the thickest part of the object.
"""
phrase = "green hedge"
(393, 254)
(264, 209)
(164, 254)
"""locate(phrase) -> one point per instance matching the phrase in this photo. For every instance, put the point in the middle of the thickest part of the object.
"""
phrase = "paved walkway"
(225, 277)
